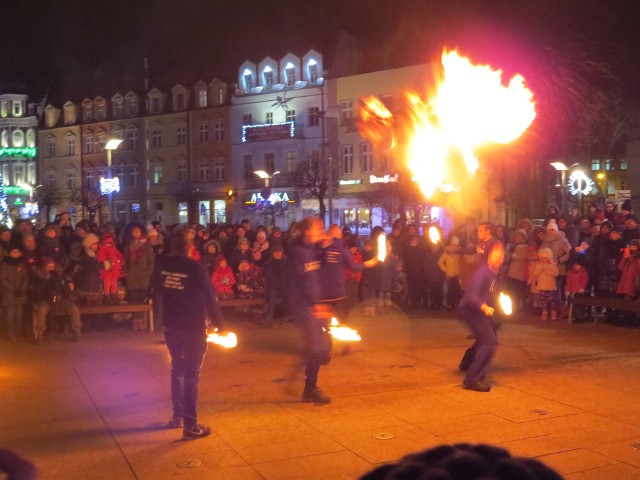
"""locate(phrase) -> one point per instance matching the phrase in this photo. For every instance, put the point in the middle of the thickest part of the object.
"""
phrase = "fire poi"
(225, 340)
(342, 333)
(434, 234)
(440, 131)
(505, 303)
(382, 247)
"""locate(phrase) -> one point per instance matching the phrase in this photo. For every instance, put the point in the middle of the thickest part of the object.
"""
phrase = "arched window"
(17, 138)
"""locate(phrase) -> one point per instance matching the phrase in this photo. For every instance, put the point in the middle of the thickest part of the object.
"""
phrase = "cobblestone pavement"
(565, 394)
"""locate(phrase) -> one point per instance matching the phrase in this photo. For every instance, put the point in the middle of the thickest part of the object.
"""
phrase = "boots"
(314, 395)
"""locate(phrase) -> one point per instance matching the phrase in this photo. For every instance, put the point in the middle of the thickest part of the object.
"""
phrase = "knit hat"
(262, 234)
(545, 253)
(631, 216)
(552, 225)
(90, 239)
(243, 240)
(520, 231)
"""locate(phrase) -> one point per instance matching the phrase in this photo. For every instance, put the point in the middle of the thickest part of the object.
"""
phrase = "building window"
(314, 116)
(366, 156)
(156, 176)
(270, 163)
(134, 174)
(51, 146)
(219, 94)
(202, 97)
(268, 77)
(181, 172)
(313, 71)
(247, 164)
(218, 131)
(155, 105)
(346, 112)
(347, 158)
(87, 112)
(595, 165)
(31, 172)
(247, 76)
(180, 101)
(132, 107)
(89, 178)
(69, 115)
(203, 133)
(291, 116)
(291, 159)
(102, 172)
(247, 119)
(268, 118)
(71, 146)
(71, 179)
(18, 173)
(4, 109)
(51, 179)
(88, 144)
(117, 107)
(17, 108)
(611, 188)
(290, 72)
(181, 135)
(121, 172)
(608, 164)
(132, 139)
(156, 138)
(17, 138)
(101, 142)
(218, 170)
(204, 171)
(101, 111)
(623, 164)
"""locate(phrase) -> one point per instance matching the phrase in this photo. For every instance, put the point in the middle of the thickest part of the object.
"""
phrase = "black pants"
(317, 344)
(476, 359)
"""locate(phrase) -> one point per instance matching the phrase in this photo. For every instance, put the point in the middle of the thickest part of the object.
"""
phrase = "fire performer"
(304, 297)
(476, 309)
(188, 299)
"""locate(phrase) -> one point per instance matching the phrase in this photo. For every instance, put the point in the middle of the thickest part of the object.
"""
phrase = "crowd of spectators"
(60, 266)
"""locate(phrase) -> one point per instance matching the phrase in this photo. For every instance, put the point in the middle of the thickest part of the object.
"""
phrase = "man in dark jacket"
(304, 296)
(188, 301)
(274, 275)
(476, 309)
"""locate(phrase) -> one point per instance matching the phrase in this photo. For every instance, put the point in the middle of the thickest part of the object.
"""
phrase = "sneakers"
(198, 430)
(477, 387)
(175, 422)
(314, 395)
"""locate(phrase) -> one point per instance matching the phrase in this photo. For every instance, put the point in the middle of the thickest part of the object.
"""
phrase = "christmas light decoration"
(5, 219)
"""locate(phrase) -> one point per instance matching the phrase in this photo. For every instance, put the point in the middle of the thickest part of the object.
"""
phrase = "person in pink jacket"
(544, 272)
(113, 267)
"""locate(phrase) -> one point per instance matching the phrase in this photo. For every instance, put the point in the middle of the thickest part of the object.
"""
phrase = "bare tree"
(49, 196)
(90, 198)
(312, 177)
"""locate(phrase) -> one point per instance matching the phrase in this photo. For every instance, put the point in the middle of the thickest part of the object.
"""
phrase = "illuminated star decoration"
(281, 102)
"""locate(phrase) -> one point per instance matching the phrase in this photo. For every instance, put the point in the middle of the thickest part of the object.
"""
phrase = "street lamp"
(265, 176)
(111, 145)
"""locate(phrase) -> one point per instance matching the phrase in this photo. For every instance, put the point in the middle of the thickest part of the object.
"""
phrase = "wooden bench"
(146, 308)
(243, 302)
(603, 302)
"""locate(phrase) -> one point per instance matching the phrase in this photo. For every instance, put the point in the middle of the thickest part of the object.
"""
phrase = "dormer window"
(101, 110)
(268, 77)
(87, 112)
(118, 107)
(132, 106)
(155, 105)
(247, 76)
(290, 72)
(180, 102)
(313, 71)
(202, 97)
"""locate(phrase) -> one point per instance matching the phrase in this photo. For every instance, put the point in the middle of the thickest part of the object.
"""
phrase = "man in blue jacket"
(188, 301)
(476, 309)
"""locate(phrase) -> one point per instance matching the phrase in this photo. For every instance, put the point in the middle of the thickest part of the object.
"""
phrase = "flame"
(345, 334)
(440, 133)
(226, 340)
(505, 303)
(434, 234)
(382, 247)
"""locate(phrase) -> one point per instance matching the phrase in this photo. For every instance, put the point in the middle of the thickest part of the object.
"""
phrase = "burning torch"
(225, 340)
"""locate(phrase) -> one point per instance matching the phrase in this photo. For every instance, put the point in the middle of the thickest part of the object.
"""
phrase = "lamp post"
(267, 190)
(562, 168)
(111, 145)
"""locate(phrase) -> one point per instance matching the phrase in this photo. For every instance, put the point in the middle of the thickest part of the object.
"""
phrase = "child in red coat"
(223, 279)
(114, 267)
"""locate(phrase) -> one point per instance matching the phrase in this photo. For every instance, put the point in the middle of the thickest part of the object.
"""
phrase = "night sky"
(41, 40)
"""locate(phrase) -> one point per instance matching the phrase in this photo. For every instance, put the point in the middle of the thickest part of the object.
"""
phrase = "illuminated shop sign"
(385, 179)
(11, 151)
(350, 182)
(270, 131)
(275, 197)
(15, 190)
(109, 185)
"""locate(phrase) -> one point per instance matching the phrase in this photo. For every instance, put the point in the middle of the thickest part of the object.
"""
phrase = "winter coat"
(518, 261)
(14, 281)
(52, 247)
(577, 280)
(49, 286)
(388, 273)
(560, 248)
(115, 266)
(543, 276)
(223, 281)
(628, 284)
(139, 263)
(413, 262)
(607, 271)
(449, 263)
(274, 273)
(88, 276)
(432, 272)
